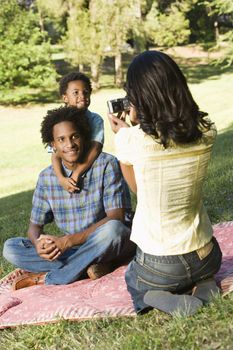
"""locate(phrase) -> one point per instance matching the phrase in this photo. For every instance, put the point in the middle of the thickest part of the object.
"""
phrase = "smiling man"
(95, 239)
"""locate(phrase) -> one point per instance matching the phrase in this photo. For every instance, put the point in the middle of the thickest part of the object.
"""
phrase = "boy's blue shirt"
(97, 126)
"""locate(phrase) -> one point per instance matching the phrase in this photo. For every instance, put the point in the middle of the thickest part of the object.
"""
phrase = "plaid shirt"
(103, 190)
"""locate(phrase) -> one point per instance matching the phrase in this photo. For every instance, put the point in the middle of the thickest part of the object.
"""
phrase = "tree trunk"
(41, 23)
(216, 28)
(118, 70)
(80, 67)
(139, 41)
(95, 72)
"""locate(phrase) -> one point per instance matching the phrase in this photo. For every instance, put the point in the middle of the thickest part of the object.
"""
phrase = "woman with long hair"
(164, 156)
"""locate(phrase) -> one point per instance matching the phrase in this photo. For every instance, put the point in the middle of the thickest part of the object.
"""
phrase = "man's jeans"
(173, 273)
(109, 243)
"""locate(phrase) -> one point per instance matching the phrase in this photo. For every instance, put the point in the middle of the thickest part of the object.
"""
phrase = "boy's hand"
(69, 184)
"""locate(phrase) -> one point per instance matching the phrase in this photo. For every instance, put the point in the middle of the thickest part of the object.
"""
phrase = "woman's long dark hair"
(158, 90)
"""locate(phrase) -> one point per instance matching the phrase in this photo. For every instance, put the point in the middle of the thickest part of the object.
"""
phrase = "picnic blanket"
(88, 299)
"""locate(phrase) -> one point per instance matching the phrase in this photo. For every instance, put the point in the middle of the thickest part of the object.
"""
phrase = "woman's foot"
(183, 304)
(96, 271)
(206, 290)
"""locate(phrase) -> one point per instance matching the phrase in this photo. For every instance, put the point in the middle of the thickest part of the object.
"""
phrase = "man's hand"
(46, 248)
(117, 122)
(61, 243)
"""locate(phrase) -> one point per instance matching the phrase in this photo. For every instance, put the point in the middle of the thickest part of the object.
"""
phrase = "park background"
(39, 42)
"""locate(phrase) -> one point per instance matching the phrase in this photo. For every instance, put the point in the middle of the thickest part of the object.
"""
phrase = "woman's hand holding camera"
(117, 122)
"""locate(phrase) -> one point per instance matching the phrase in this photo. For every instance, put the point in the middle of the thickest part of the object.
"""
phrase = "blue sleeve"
(116, 192)
(41, 213)
(97, 127)
(49, 149)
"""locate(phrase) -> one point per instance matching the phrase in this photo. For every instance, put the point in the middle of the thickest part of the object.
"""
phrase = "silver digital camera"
(118, 105)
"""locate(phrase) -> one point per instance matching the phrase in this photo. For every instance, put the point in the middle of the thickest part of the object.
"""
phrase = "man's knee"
(10, 250)
(7, 248)
(113, 231)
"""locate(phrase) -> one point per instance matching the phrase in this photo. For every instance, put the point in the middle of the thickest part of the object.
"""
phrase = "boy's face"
(77, 95)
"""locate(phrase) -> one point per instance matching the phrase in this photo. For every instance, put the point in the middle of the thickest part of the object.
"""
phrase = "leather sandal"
(28, 280)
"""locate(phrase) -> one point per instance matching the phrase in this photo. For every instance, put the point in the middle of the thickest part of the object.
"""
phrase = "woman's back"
(170, 218)
(164, 159)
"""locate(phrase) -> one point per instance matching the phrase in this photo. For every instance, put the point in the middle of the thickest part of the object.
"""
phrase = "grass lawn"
(23, 156)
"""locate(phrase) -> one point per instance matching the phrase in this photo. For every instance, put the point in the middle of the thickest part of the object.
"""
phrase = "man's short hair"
(73, 76)
(64, 114)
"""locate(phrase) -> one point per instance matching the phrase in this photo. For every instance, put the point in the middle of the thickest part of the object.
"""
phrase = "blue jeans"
(108, 243)
(173, 273)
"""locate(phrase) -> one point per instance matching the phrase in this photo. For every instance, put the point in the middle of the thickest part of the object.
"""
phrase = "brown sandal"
(29, 279)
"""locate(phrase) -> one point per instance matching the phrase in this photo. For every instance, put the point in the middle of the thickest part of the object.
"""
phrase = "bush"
(24, 54)
(167, 29)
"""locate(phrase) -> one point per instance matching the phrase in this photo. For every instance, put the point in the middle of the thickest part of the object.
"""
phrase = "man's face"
(67, 143)
(77, 95)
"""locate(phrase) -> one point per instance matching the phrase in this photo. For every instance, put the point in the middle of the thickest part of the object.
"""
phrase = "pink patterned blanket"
(87, 299)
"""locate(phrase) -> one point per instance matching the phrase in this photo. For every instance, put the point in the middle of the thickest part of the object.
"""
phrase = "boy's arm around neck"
(93, 153)
(68, 183)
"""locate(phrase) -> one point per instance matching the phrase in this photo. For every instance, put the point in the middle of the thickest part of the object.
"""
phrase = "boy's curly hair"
(73, 76)
(64, 114)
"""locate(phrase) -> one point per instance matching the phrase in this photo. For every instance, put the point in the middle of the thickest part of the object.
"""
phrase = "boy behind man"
(75, 90)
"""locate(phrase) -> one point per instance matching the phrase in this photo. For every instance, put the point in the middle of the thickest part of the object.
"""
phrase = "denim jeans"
(173, 273)
(108, 243)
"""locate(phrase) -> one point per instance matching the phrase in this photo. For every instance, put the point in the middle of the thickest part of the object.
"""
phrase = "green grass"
(210, 328)
(23, 156)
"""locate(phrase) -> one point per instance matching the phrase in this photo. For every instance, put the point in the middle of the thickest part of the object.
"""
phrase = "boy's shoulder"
(93, 115)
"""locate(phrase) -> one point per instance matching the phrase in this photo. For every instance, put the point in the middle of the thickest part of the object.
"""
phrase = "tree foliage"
(224, 7)
(90, 30)
(83, 42)
(51, 15)
(97, 30)
(24, 56)
(201, 25)
(167, 28)
(119, 20)
(221, 6)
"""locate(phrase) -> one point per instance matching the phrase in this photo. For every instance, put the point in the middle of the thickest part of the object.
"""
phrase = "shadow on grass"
(14, 219)
(15, 213)
(194, 69)
(32, 96)
(196, 73)
(218, 189)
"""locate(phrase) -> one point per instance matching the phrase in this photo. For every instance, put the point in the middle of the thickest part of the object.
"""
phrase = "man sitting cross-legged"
(95, 238)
